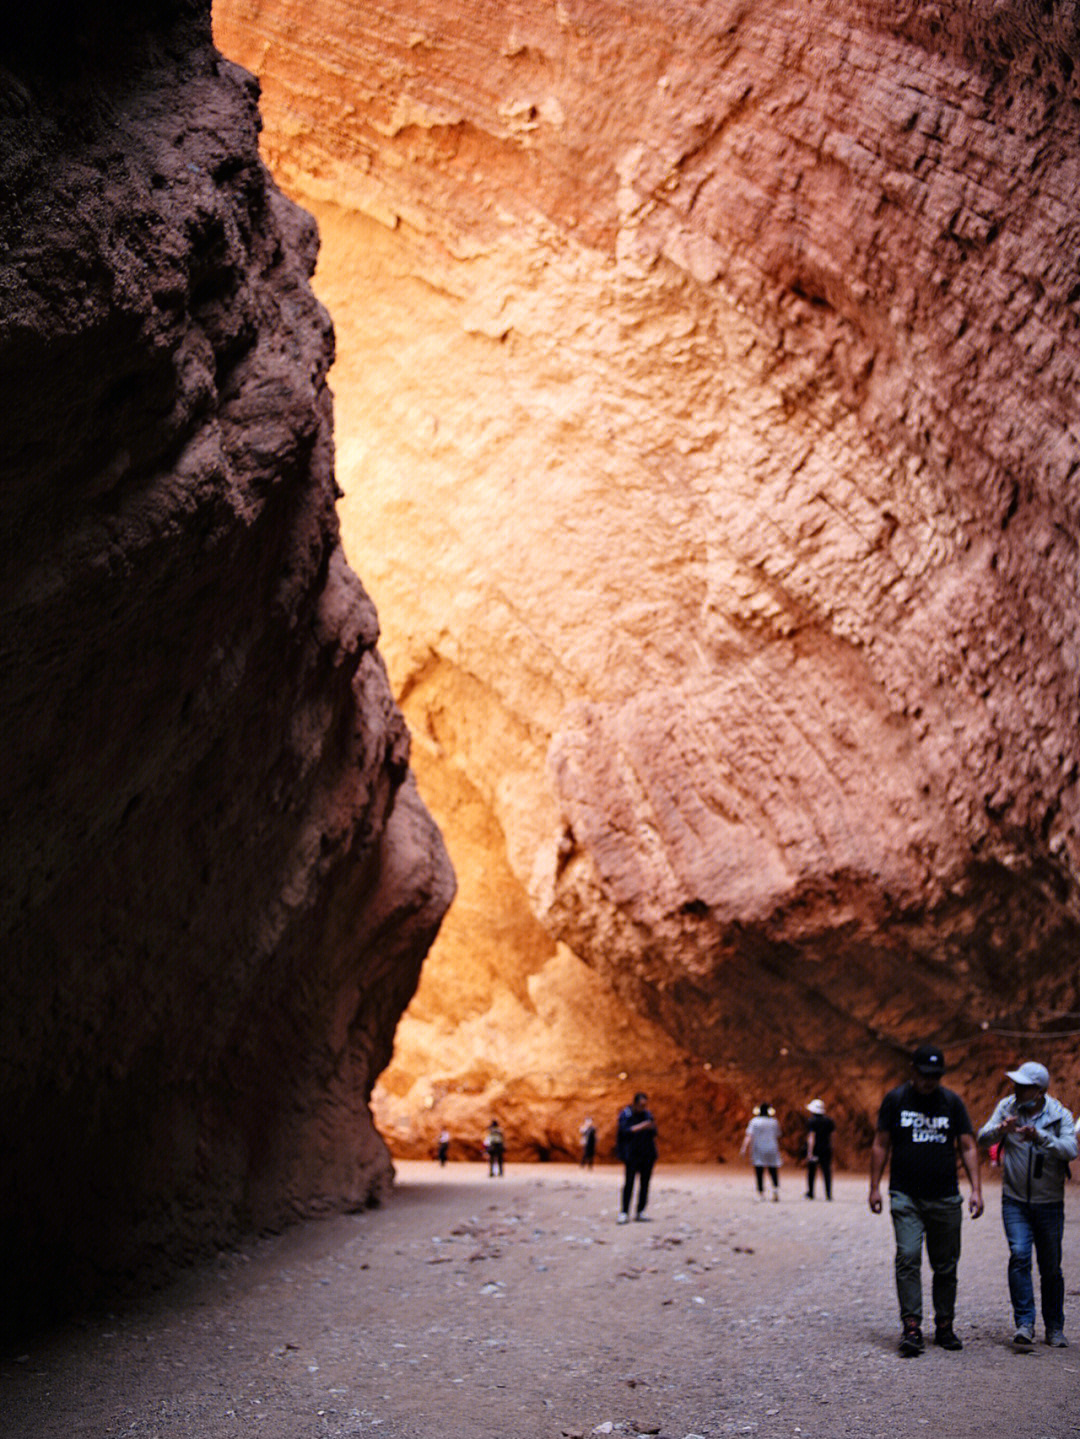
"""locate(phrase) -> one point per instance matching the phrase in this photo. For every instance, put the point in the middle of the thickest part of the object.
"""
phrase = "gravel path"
(515, 1308)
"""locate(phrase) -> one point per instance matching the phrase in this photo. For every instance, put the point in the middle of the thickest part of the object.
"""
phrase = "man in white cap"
(1038, 1140)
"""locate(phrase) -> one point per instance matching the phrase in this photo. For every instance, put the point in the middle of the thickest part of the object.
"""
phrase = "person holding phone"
(1038, 1139)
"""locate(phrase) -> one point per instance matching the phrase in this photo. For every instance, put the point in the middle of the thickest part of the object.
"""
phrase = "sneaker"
(912, 1341)
(945, 1337)
(642, 1218)
(622, 1219)
(1056, 1339)
(1024, 1337)
(776, 1196)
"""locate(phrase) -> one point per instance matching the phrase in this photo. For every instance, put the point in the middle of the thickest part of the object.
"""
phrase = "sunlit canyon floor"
(477, 1308)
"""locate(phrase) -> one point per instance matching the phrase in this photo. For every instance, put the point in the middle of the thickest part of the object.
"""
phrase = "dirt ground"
(515, 1308)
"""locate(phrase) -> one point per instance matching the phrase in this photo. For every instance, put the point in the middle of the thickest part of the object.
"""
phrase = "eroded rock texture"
(711, 370)
(218, 880)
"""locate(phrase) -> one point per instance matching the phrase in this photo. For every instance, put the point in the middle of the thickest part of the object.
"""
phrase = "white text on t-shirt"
(926, 1128)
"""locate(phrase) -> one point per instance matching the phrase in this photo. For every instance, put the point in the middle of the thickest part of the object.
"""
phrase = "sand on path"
(516, 1308)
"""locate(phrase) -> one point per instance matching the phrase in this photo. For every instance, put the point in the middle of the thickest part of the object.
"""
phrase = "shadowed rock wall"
(730, 352)
(218, 881)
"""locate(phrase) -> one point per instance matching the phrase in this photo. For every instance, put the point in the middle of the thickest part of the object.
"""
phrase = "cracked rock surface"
(711, 370)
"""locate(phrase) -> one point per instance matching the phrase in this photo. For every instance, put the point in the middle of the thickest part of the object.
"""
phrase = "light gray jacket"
(1033, 1172)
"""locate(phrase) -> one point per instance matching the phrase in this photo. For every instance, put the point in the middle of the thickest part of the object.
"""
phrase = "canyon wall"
(710, 430)
(218, 882)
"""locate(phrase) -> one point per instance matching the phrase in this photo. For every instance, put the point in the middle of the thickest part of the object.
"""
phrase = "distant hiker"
(444, 1145)
(921, 1127)
(819, 1133)
(635, 1144)
(494, 1144)
(762, 1139)
(588, 1144)
(1037, 1135)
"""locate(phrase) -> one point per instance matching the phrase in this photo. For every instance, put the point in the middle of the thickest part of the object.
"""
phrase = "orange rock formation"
(708, 421)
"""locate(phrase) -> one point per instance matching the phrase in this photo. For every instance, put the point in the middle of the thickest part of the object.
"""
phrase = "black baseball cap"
(928, 1059)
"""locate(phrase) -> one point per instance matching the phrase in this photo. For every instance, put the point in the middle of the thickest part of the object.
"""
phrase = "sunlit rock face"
(218, 880)
(710, 432)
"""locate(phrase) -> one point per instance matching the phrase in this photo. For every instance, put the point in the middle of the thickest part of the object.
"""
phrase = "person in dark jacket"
(1038, 1139)
(495, 1145)
(635, 1144)
(588, 1143)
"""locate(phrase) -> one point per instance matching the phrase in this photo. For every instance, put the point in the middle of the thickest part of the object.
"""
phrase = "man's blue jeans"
(938, 1222)
(1039, 1227)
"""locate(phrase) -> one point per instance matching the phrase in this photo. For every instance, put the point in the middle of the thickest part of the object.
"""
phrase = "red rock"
(712, 369)
(218, 882)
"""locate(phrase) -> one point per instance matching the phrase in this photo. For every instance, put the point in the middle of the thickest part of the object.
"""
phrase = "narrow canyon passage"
(470, 1308)
(683, 550)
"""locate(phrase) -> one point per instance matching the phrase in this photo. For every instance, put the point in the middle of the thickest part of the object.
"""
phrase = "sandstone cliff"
(218, 881)
(710, 428)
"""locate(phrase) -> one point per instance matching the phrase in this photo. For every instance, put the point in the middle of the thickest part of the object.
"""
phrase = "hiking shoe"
(1056, 1339)
(1024, 1337)
(945, 1337)
(912, 1341)
(622, 1219)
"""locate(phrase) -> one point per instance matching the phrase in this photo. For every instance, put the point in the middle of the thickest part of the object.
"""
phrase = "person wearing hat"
(819, 1133)
(1038, 1139)
(921, 1128)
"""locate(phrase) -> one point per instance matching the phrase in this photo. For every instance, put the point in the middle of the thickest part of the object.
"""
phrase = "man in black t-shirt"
(819, 1133)
(921, 1127)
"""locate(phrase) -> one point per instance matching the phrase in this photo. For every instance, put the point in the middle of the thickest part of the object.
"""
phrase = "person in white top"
(763, 1142)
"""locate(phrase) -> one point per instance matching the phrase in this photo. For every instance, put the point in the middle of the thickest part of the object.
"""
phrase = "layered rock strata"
(218, 882)
(711, 370)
